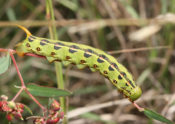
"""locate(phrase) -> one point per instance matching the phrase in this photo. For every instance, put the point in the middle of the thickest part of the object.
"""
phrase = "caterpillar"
(82, 56)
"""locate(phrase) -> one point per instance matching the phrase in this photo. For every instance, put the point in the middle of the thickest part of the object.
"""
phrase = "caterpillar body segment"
(83, 56)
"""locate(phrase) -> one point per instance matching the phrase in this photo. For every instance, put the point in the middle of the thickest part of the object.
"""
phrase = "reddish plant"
(15, 110)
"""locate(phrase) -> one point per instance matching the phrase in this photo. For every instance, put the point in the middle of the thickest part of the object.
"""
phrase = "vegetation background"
(139, 33)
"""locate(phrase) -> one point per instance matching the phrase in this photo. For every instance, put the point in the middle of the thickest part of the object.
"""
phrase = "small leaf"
(37, 90)
(4, 63)
(156, 116)
(28, 109)
(69, 4)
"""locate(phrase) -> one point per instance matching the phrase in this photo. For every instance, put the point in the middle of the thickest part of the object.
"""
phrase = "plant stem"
(35, 100)
(17, 69)
(19, 92)
(22, 83)
(58, 66)
(138, 107)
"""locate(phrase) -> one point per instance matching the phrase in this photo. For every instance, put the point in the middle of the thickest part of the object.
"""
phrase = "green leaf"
(4, 63)
(37, 90)
(69, 4)
(132, 11)
(156, 116)
(28, 109)
(11, 14)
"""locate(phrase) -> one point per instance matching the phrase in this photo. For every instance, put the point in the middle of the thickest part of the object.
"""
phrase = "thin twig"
(138, 107)
(137, 49)
(22, 82)
(102, 22)
(19, 92)
(35, 100)
(34, 55)
(17, 69)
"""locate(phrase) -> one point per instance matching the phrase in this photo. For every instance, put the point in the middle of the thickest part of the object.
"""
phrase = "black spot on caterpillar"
(100, 60)
(111, 68)
(31, 38)
(72, 50)
(82, 56)
(56, 47)
(119, 77)
(103, 56)
(87, 55)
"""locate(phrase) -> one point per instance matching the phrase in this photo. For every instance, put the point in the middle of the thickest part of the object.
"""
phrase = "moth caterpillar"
(82, 56)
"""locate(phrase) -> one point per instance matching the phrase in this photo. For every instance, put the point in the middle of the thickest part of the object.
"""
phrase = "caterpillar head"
(20, 47)
(135, 93)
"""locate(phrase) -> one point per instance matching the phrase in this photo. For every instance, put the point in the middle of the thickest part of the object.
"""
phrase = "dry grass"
(141, 32)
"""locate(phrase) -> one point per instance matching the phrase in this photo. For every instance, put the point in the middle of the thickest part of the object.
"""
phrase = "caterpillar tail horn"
(20, 49)
(24, 29)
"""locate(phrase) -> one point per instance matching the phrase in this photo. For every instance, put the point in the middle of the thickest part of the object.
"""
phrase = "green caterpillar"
(82, 56)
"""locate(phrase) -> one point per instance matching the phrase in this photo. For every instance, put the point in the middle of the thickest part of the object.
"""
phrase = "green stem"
(58, 66)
